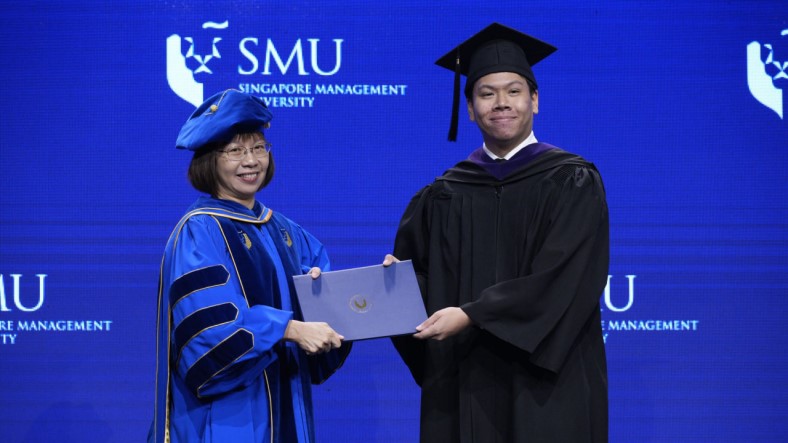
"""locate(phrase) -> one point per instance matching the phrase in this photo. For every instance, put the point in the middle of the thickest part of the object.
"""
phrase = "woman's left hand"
(314, 272)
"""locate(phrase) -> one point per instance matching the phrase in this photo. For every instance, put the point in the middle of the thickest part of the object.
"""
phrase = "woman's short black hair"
(202, 169)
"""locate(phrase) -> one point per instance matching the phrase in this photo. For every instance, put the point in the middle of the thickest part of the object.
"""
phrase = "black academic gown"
(526, 257)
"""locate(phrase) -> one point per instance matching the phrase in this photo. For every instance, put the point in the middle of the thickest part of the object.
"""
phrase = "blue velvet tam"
(221, 117)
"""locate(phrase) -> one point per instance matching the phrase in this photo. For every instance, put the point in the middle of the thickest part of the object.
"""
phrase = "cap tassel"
(455, 111)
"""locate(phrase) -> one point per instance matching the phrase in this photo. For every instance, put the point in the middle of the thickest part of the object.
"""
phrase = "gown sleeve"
(546, 311)
(219, 342)
(312, 253)
(411, 244)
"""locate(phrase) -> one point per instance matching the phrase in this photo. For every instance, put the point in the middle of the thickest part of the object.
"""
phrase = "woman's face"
(241, 177)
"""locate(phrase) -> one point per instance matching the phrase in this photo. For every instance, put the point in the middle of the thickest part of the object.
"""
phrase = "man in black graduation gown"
(511, 251)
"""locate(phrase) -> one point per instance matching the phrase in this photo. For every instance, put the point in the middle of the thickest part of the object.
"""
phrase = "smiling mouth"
(250, 177)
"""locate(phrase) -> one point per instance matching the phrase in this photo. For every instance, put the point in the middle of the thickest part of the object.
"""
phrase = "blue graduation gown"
(225, 298)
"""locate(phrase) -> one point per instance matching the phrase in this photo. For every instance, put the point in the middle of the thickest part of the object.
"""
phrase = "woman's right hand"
(313, 337)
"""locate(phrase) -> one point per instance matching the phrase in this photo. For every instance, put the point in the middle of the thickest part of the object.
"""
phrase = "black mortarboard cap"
(496, 48)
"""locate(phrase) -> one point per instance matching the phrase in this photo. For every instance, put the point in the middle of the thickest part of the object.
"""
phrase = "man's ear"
(471, 114)
(535, 101)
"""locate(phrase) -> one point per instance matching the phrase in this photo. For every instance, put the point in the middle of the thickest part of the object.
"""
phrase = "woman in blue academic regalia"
(234, 361)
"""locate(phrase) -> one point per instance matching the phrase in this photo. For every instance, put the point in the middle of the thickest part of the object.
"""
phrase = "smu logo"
(766, 75)
(188, 66)
(180, 75)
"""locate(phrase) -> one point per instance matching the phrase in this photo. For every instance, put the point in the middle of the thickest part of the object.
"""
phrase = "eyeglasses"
(238, 153)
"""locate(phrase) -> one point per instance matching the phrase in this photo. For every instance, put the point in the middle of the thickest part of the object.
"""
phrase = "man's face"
(503, 107)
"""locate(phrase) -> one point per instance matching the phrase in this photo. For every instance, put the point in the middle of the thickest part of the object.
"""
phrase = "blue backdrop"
(680, 104)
